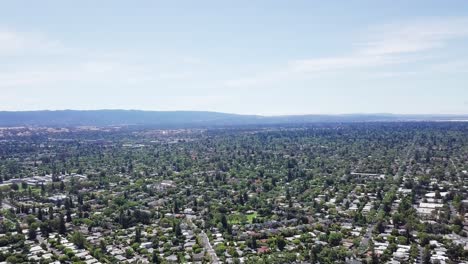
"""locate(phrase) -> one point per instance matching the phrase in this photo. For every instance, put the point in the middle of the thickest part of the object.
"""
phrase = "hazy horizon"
(246, 114)
(261, 58)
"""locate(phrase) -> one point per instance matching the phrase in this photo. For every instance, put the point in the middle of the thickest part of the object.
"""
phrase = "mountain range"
(69, 118)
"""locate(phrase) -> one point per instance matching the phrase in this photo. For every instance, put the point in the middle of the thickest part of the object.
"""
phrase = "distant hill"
(64, 118)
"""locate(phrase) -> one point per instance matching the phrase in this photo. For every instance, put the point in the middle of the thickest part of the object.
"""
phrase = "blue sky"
(248, 57)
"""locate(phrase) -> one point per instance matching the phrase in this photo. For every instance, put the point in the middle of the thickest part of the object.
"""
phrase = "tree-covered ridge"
(190, 119)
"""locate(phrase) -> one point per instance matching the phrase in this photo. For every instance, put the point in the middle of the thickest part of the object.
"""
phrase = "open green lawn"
(239, 218)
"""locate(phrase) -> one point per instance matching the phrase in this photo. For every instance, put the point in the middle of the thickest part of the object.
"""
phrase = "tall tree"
(62, 226)
(138, 234)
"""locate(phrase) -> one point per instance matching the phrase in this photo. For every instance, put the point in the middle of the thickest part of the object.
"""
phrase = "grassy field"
(239, 218)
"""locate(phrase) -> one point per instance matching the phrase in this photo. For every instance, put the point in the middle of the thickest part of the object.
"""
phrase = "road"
(406, 159)
(419, 260)
(365, 240)
(457, 173)
(7, 205)
(209, 249)
(49, 247)
(206, 243)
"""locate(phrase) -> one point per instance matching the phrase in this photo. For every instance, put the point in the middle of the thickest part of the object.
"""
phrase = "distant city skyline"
(244, 57)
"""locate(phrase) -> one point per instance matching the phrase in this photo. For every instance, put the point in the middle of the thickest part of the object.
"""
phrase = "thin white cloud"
(390, 44)
(338, 63)
(453, 66)
(90, 72)
(13, 43)
(416, 36)
(24, 64)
